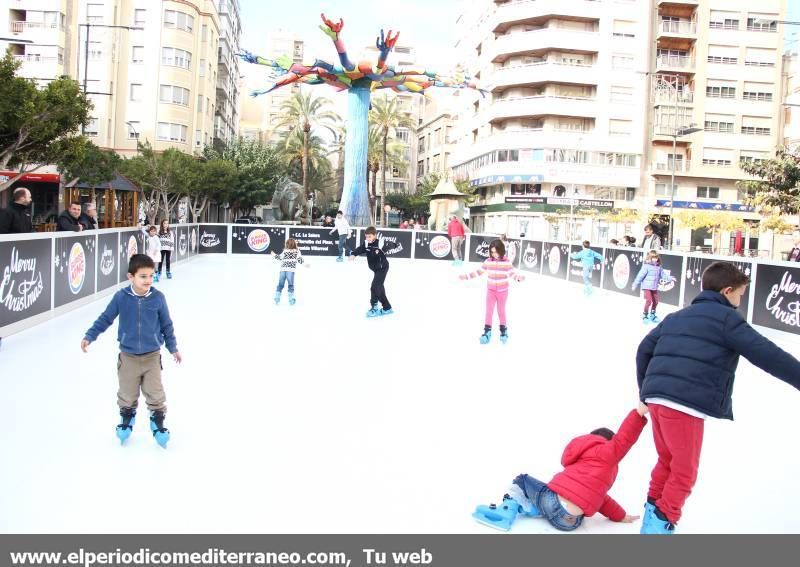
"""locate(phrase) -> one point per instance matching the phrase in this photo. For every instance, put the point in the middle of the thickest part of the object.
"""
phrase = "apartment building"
(435, 134)
(791, 95)
(716, 67)
(563, 126)
(227, 112)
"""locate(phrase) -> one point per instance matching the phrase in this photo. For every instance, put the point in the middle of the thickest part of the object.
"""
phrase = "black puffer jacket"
(691, 357)
(376, 259)
(15, 219)
(66, 222)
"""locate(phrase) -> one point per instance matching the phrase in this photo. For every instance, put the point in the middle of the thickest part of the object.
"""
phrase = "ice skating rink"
(312, 418)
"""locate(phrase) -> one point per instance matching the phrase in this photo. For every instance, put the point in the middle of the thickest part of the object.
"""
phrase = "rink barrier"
(44, 274)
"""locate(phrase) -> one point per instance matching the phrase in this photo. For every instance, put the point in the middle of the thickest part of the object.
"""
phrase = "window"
(174, 95)
(757, 125)
(719, 123)
(176, 57)
(95, 49)
(526, 189)
(662, 190)
(762, 23)
(720, 89)
(137, 54)
(620, 127)
(757, 57)
(139, 16)
(622, 61)
(94, 13)
(172, 132)
(507, 155)
(724, 20)
(133, 130)
(204, 33)
(717, 157)
(136, 92)
(623, 28)
(178, 20)
(199, 103)
(402, 134)
(750, 156)
(198, 138)
(202, 68)
(92, 127)
(707, 192)
(723, 54)
(421, 144)
(420, 168)
(621, 94)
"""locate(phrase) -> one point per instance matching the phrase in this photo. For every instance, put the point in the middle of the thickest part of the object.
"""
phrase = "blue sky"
(793, 15)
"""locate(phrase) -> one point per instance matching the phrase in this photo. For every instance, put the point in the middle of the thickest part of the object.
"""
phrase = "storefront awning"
(119, 183)
(32, 177)
(702, 205)
(498, 179)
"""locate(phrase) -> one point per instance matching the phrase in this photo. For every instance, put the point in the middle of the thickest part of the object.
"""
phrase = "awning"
(32, 177)
(119, 183)
(497, 179)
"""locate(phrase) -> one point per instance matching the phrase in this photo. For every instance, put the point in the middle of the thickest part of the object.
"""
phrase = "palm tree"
(304, 152)
(386, 115)
(379, 158)
(303, 113)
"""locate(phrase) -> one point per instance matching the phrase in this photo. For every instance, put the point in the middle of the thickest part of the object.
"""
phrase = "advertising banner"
(692, 279)
(621, 266)
(318, 241)
(776, 303)
(213, 239)
(576, 266)
(399, 240)
(669, 288)
(74, 268)
(107, 260)
(531, 256)
(478, 245)
(251, 239)
(432, 246)
(130, 242)
(194, 239)
(24, 279)
(181, 244)
(555, 258)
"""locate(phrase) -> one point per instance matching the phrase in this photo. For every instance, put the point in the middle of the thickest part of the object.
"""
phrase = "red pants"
(650, 300)
(498, 298)
(679, 438)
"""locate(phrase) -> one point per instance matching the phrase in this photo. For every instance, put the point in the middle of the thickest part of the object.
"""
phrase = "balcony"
(665, 168)
(544, 72)
(664, 97)
(22, 26)
(675, 64)
(681, 29)
(542, 105)
(523, 11)
(542, 39)
(691, 3)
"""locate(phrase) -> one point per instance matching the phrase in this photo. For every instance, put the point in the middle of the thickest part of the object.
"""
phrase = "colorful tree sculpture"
(359, 80)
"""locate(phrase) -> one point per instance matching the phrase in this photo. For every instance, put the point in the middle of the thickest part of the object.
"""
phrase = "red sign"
(31, 177)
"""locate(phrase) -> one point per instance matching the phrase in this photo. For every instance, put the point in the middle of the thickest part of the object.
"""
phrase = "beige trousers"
(140, 372)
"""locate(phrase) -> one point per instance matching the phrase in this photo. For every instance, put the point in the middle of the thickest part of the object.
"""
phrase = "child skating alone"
(290, 258)
(499, 270)
(144, 325)
(377, 262)
(685, 370)
(588, 258)
(167, 238)
(649, 278)
(152, 246)
(581, 490)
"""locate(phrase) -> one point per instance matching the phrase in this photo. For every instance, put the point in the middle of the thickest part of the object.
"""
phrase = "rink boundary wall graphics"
(45, 274)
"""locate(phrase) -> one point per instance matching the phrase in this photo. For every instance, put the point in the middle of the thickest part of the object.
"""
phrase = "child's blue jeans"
(284, 278)
(548, 503)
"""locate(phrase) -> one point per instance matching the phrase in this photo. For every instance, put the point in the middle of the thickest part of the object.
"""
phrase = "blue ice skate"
(125, 428)
(292, 300)
(654, 318)
(652, 524)
(503, 516)
(486, 336)
(169, 275)
(645, 318)
(387, 312)
(503, 334)
(156, 277)
(277, 297)
(374, 312)
(339, 259)
(160, 433)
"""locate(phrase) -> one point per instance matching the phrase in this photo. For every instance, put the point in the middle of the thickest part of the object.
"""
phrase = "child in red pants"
(499, 271)
(685, 369)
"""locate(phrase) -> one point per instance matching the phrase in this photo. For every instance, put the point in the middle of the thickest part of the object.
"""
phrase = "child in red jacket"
(580, 490)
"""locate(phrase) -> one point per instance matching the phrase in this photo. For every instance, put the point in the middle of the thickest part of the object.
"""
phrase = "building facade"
(227, 112)
(435, 135)
(791, 95)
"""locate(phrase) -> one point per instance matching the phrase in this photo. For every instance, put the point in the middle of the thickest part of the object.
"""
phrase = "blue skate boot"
(160, 433)
(654, 522)
(387, 311)
(277, 297)
(374, 312)
(292, 300)
(339, 259)
(125, 428)
(503, 334)
(645, 318)
(487, 334)
(169, 275)
(654, 318)
(156, 277)
(502, 516)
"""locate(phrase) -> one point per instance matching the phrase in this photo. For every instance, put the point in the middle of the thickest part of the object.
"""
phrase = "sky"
(793, 32)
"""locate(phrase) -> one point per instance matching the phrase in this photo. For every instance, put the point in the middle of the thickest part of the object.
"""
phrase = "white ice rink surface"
(312, 418)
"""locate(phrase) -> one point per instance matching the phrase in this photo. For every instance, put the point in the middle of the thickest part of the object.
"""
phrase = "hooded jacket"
(376, 259)
(649, 277)
(590, 468)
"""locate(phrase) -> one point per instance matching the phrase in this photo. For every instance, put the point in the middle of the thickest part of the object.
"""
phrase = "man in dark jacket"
(685, 368)
(17, 217)
(89, 217)
(69, 220)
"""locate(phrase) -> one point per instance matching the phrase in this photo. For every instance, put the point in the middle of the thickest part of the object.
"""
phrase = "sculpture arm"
(332, 30)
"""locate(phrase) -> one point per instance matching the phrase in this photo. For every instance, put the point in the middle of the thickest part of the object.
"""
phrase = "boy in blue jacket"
(587, 257)
(144, 325)
(685, 369)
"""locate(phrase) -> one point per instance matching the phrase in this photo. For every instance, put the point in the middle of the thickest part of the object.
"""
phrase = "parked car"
(248, 220)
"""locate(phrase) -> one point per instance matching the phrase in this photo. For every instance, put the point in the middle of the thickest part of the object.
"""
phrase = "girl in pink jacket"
(499, 271)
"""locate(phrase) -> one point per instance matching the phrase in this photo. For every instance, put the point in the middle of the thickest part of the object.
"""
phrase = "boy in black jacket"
(379, 265)
(685, 368)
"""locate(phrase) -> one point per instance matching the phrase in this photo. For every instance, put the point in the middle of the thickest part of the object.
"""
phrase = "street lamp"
(136, 135)
(86, 54)
(676, 133)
